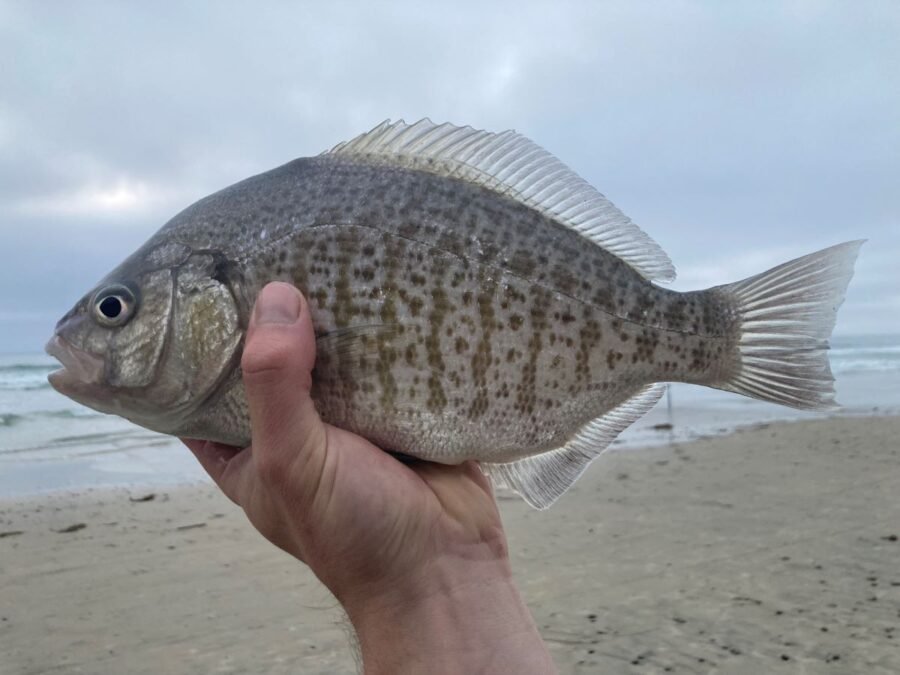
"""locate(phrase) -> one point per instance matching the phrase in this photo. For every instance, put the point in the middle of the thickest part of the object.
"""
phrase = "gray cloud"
(735, 134)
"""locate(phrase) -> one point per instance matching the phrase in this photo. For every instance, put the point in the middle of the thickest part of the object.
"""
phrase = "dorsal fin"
(512, 165)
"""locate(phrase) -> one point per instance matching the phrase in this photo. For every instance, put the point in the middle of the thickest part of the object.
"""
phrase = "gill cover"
(206, 329)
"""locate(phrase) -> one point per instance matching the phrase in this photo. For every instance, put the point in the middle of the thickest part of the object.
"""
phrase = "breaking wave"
(25, 376)
(8, 419)
(871, 354)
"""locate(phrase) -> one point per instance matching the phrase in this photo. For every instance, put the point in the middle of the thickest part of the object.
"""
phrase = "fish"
(473, 298)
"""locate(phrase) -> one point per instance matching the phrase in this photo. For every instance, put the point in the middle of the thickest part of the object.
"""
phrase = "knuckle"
(268, 352)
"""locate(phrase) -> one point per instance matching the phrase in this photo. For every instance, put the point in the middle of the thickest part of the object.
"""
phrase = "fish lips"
(81, 371)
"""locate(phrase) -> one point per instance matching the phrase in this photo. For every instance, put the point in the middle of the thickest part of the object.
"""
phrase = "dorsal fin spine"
(511, 165)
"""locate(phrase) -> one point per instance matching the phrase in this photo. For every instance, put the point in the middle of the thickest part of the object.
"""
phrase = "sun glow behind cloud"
(122, 196)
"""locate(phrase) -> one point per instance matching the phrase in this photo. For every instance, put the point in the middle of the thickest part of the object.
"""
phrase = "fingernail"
(278, 303)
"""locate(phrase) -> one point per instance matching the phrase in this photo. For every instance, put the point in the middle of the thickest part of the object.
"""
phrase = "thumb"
(277, 364)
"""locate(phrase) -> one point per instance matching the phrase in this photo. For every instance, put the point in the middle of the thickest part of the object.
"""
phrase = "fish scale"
(510, 348)
(472, 299)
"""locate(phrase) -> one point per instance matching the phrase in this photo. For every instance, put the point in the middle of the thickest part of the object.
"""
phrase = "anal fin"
(542, 479)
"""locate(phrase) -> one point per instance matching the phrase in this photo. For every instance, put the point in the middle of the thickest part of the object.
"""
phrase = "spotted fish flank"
(473, 298)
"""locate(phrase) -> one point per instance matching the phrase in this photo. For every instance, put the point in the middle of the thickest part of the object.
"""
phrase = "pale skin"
(415, 553)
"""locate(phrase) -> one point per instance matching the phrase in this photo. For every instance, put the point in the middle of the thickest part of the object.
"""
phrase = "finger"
(277, 369)
(225, 464)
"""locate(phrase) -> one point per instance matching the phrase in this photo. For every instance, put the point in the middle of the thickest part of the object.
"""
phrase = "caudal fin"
(786, 317)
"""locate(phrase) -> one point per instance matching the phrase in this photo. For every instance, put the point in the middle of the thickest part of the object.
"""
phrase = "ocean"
(50, 443)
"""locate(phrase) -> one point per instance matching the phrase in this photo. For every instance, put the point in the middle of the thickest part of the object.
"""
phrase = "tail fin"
(786, 317)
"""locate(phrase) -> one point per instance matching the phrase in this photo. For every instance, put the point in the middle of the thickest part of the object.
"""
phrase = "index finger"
(221, 462)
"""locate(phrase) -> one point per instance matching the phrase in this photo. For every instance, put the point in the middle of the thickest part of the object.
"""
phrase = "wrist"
(458, 615)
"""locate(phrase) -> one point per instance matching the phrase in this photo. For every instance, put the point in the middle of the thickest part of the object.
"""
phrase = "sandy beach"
(771, 550)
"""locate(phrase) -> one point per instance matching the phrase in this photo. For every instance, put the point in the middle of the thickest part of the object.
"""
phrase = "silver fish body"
(472, 299)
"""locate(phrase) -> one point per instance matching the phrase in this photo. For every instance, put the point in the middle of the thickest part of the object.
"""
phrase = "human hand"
(415, 553)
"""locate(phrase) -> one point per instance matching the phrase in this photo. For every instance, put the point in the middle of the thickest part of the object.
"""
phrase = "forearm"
(466, 617)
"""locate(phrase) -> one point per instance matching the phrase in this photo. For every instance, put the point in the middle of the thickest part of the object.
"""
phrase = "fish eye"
(113, 305)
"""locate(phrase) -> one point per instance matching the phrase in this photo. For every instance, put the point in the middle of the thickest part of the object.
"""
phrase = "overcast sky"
(736, 134)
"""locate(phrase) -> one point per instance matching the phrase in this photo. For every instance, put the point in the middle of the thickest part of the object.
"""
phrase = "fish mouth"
(79, 368)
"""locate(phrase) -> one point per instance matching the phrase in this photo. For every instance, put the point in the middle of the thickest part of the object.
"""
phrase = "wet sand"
(772, 550)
